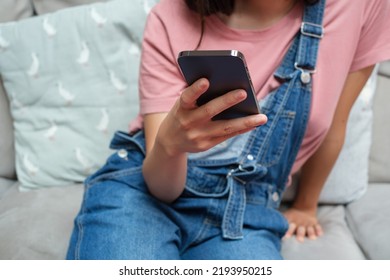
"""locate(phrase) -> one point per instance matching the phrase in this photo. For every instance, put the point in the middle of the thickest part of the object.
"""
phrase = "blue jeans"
(119, 219)
(228, 209)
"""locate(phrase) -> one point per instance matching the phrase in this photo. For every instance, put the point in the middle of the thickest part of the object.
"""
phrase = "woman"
(187, 187)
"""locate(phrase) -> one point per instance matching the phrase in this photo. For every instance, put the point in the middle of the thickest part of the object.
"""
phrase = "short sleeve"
(374, 42)
(160, 81)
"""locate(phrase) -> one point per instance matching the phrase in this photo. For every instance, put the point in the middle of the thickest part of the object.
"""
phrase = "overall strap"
(305, 46)
(312, 32)
(302, 56)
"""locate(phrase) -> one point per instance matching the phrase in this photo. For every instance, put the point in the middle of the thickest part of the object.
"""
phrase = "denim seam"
(274, 123)
(114, 174)
(287, 129)
(79, 223)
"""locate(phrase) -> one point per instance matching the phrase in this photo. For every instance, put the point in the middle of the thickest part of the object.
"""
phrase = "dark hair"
(208, 7)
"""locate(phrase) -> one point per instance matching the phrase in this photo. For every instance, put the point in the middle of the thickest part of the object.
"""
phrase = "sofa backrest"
(45, 6)
(380, 149)
(15, 9)
(18, 9)
(7, 152)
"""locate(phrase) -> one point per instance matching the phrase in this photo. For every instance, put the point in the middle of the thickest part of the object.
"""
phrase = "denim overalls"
(228, 209)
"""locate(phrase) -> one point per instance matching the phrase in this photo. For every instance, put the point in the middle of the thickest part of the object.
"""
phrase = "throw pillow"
(71, 79)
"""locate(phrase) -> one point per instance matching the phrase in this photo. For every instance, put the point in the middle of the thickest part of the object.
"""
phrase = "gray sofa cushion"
(384, 69)
(37, 224)
(5, 186)
(15, 10)
(380, 149)
(369, 220)
(337, 243)
(7, 151)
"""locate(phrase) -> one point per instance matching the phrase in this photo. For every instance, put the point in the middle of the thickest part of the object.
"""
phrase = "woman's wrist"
(304, 203)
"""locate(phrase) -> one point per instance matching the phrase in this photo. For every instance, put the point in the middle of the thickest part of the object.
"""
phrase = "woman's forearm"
(318, 167)
(316, 170)
(165, 175)
(164, 172)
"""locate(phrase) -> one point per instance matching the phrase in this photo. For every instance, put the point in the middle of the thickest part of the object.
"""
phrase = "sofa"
(68, 80)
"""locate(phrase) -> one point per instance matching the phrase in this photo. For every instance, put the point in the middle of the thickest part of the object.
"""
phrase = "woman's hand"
(189, 128)
(302, 223)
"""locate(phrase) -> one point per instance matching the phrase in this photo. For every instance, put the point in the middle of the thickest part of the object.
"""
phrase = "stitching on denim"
(114, 174)
(289, 117)
(79, 223)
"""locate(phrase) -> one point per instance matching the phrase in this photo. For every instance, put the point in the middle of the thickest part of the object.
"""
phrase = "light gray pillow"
(348, 179)
(72, 80)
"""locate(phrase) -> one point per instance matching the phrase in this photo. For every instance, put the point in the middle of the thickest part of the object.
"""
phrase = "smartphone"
(226, 70)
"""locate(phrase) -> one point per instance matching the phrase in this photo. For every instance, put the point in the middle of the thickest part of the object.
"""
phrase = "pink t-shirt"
(356, 35)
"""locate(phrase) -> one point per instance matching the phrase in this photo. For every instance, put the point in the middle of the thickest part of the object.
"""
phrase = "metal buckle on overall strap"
(305, 73)
(315, 31)
(312, 30)
(234, 171)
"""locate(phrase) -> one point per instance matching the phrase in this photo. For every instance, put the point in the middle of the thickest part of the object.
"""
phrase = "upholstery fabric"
(5, 186)
(337, 243)
(7, 151)
(45, 6)
(380, 149)
(37, 224)
(369, 220)
(15, 10)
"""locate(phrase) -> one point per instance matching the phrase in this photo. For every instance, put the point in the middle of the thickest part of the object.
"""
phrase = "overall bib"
(228, 209)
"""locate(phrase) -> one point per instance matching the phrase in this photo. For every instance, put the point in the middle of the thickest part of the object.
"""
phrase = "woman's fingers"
(192, 93)
(312, 232)
(318, 230)
(212, 108)
(195, 125)
(300, 233)
(219, 104)
(291, 230)
(228, 128)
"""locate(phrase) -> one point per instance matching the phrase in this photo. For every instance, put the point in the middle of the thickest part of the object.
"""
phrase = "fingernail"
(261, 118)
(240, 94)
(202, 84)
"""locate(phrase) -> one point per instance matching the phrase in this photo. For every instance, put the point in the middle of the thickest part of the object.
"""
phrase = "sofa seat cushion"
(38, 224)
(369, 221)
(5, 186)
(337, 243)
